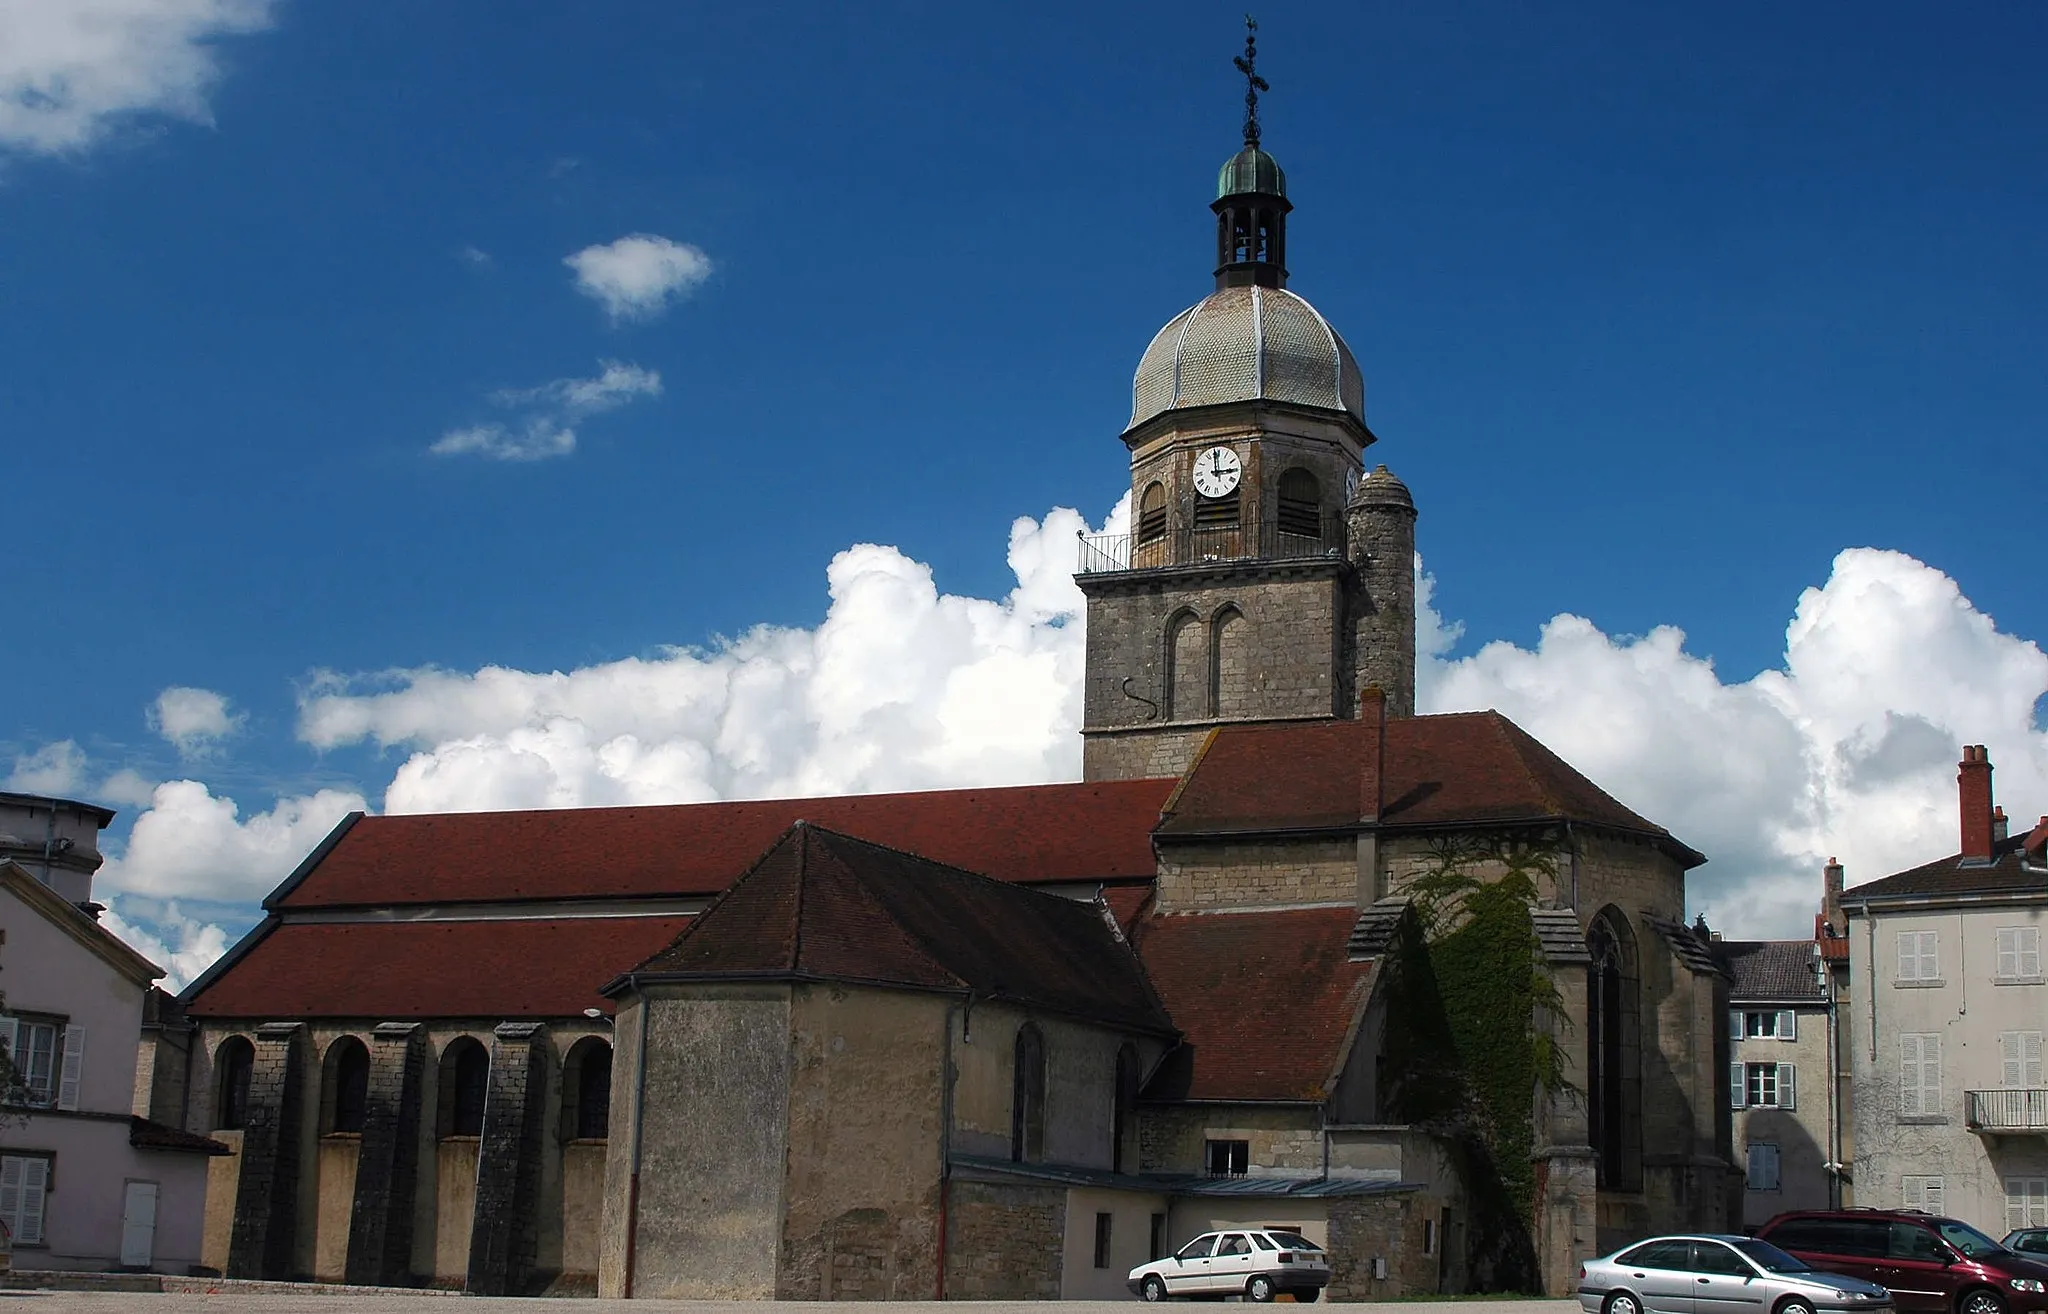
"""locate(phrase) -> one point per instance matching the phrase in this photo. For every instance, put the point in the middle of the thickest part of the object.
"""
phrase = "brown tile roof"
(825, 906)
(1036, 833)
(1264, 999)
(536, 968)
(1771, 971)
(146, 1135)
(1950, 875)
(1458, 769)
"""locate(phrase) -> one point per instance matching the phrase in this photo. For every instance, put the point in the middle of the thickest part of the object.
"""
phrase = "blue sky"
(1660, 310)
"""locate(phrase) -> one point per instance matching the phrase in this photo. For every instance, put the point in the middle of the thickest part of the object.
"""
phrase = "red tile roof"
(1037, 833)
(538, 968)
(1265, 1001)
(824, 906)
(1462, 768)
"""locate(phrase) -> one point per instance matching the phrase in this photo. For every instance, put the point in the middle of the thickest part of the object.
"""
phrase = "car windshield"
(1771, 1259)
(1967, 1239)
(1294, 1240)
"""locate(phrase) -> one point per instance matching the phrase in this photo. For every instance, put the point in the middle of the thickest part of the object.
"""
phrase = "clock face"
(1217, 471)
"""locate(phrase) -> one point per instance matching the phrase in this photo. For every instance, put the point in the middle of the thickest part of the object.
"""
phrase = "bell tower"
(1265, 577)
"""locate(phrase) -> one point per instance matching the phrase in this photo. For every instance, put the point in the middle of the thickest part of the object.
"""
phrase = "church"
(1288, 954)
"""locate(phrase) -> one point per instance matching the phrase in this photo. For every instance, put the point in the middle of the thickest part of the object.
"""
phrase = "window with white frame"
(37, 1051)
(2019, 1054)
(24, 1182)
(2019, 953)
(1918, 956)
(1762, 1085)
(1775, 1024)
(2026, 1202)
(1923, 1193)
(1919, 1076)
(1763, 1167)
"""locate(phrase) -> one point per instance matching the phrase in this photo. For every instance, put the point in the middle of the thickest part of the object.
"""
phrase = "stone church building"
(999, 1043)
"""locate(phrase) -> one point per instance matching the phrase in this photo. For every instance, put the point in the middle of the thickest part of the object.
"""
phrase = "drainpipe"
(946, 1138)
(639, 1135)
(1834, 1090)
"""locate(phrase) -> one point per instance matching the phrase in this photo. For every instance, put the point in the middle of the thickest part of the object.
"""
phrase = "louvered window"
(24, 1183)
(1923, 1193)
(1301, 504)
(1217, 512)
(2019, 1054)
(1919, 1075)
(2026, 1202)
(2019, 953)
(1152, 514)
(1918, 956)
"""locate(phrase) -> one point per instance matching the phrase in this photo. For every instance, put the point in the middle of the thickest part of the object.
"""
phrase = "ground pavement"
(71, 1302)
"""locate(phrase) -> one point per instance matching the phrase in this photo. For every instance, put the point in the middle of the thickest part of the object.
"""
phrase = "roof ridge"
(852, 875)
(718, 901)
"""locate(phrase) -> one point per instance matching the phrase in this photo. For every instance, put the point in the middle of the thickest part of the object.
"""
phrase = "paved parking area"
(68, 1302)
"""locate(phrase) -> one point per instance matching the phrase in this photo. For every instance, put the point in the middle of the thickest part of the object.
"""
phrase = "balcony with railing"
(2009, 1110)
(1104, 553)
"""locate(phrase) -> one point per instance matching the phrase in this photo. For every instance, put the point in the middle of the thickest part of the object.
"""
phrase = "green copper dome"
(1251, 170)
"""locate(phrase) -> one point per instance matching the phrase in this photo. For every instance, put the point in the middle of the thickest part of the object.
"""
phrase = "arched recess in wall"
(344, 1086)
(1230, 669)
(1027, 1096)
(465, 1081)
(1124, 1119)
(587, 1090)
(1187, 670)
(233, 1064)
(1614, 1049)
(1152, 513)
(1300, 510)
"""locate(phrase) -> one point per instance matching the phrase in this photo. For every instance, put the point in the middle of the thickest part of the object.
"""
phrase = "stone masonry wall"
(502, 1241)
(1380, 645)
(267, 1195)
(1172, 1138)
(1255, 873)
(1391, 1228)
(1003, 1242)
(387, 1173)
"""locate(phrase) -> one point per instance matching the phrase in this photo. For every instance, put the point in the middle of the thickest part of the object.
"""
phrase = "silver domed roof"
(1245, 344)
(1251, 170)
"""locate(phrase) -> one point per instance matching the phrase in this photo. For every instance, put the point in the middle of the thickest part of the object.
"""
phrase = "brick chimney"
(1973, 797)
(2000, 827)
(1831, 898)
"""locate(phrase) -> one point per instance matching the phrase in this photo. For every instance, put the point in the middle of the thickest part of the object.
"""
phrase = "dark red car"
(1930, 1264)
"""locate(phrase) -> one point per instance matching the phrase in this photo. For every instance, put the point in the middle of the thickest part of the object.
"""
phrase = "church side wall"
(1003, 1241)
(866, 1077)
(1282, 1137)
(1257, 872)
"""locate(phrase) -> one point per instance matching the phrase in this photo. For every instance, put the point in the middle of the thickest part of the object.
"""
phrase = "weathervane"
(1253, 83)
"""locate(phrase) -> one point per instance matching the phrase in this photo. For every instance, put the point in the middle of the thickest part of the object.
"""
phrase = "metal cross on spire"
(1253, 84)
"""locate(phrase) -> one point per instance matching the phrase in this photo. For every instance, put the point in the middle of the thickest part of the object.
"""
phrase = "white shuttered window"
(2019, 953)
(2026, 1202)
(1924, 1194)
(1919, 1075)
(24, 1183)
(2019, 1054)
(1919, 956)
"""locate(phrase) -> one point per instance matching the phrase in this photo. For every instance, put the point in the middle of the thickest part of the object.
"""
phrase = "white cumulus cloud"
(182, 945)
(192, 720)
(70, 70)
(191, 844)
(543, 418)
(637, 276)
(56, 768)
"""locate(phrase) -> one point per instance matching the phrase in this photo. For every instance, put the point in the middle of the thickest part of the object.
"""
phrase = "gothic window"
(465, 1081)
(587, 1090)
(1217, 513)
(1301, 504)
(344, 1086)
(1614, 1085)
(233, 1063)
(1027, 1097)
(1126, 1105)
(1152, 513)
(1187, 671)
(1229, 664)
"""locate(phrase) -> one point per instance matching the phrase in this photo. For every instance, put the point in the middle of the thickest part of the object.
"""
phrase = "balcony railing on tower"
(1102, 553)
(2010, 1110)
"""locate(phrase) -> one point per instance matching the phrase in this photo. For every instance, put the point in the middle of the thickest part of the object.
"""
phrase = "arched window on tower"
(1123, 1125)
(1152, 513)
(1229, 664)
(587, 1090)
(233, 1064)
(1187, 667)
(1301, 504)
(1027, 1097)
(344, 1086)
(464, 1085)
(1614, 1077)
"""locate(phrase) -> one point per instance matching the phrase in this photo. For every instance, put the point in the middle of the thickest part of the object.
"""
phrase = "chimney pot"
(2000, 826)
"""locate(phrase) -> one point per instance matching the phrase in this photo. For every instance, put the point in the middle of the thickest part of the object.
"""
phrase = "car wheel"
(1261, 1290)
(1795, 1306)
(1982, 1301)
(1621, 1303)
(1153, 1289)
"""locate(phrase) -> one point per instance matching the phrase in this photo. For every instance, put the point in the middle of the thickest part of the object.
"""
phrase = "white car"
(1254, 1262)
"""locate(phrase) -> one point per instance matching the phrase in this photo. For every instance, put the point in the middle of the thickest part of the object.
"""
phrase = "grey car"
(2027, 1241)
(1717, 1275)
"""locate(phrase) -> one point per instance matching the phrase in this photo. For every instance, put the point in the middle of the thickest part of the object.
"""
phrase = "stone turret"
(1379, 539)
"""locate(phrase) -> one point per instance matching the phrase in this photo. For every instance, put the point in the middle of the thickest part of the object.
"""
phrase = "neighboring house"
(83, 1182)
(1946, 961)
(1781, 1046)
